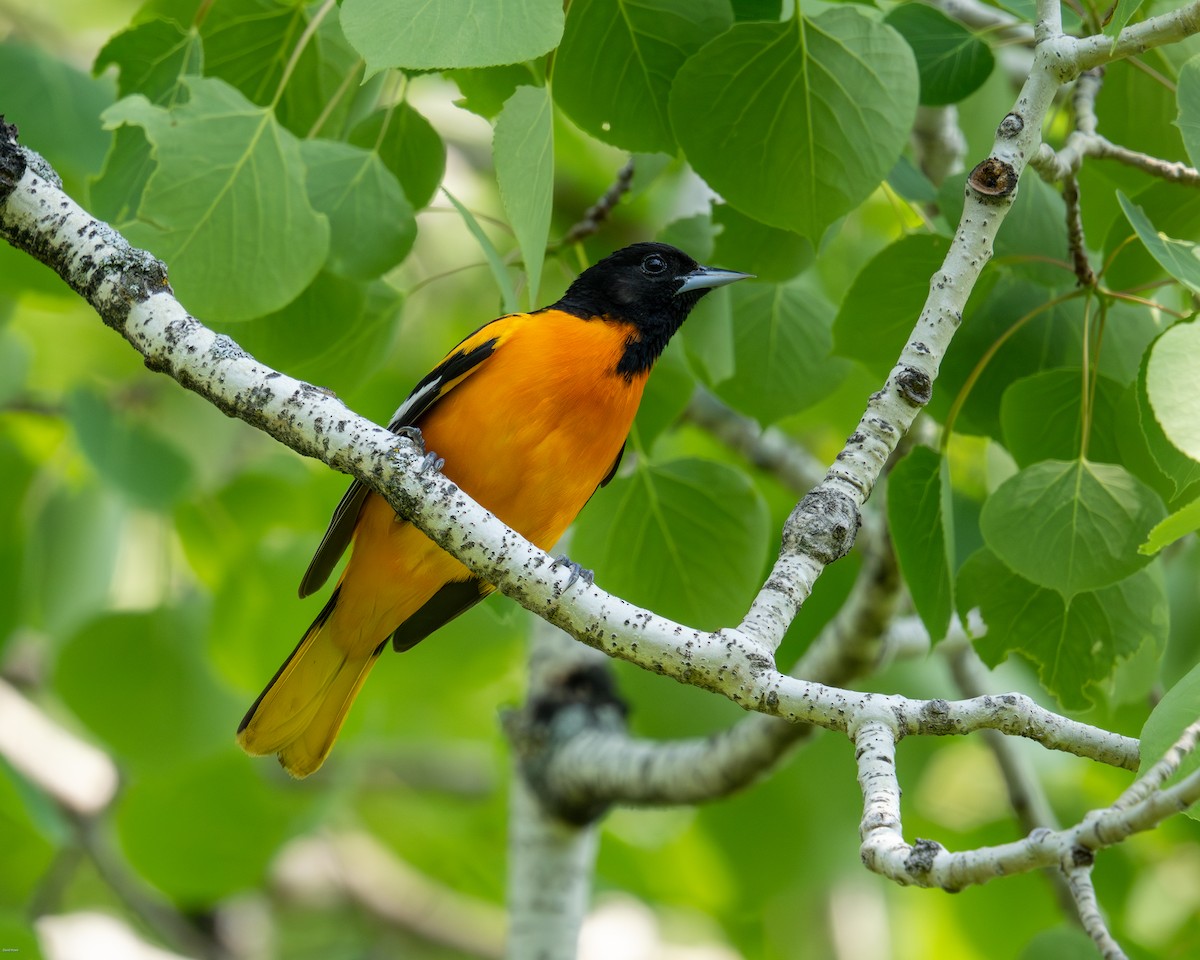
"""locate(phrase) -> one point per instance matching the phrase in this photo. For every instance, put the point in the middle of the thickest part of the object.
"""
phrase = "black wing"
(435, 385)
(612, 471)
(454, 598)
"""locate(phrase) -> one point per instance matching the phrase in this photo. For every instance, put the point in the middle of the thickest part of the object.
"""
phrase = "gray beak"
(702, 278)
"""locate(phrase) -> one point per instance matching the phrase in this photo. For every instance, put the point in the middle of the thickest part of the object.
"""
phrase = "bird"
(529, 415)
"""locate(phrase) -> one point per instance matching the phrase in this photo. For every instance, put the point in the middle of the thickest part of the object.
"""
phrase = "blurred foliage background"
(150, 548)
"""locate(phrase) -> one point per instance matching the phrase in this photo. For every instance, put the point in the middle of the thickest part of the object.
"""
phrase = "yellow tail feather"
(299, 714)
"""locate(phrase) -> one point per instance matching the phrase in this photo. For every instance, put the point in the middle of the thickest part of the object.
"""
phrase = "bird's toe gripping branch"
(431, 461)
(577, 572)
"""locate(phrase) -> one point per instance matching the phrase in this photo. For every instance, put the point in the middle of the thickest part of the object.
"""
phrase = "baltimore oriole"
(530, 414)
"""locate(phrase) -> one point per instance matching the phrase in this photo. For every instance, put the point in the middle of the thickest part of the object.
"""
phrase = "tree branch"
(553, 841)
(1079, 879)
(1094, 51)
(595, 215)
(1025, 794)
(1085, 141)
(928, 864)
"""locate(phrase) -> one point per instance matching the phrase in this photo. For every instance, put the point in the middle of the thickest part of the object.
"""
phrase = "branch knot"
(822, 525)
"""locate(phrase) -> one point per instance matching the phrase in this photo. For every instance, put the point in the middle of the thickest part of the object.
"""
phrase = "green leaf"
(248, 43)
(911, 183)
(1075, 641)
(1179, 524)
(371, 225)
(1180, 258)
(140, 683)
(242, 216)
(1041, 416)
(990, 339)
(752, 247)
(485, 89)
(695, 235)
(757, 9)
(1135, 448)
(1174, 463)
(57, 109)
(781, 347)
(794, 96)
(614, 68)
(1173, 208)
(1122, 11)
(28, 852)
(73, 547)
(146, 467)
(952, 61)
(416, 34)
(708, 337)
(1187, 94)
(409, 147)
(508, 296)
(326, 83)
(921, 521)
(653, 538)
(202, 831)
(117, 192)
(1090, 520)
(881, 309)
(151, 57)
(335, 333)
(1170, 386)
(523, 153)
(1178, 709)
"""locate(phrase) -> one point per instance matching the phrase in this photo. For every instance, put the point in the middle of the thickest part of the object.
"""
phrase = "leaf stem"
(1087, 382)
(327, 110)
(294, 59)
(981, 365)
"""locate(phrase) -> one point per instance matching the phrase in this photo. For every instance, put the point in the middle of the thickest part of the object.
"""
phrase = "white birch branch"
(928, 864)
(939, 143)
(1086, 141)
(551, 844)
(1079, 880)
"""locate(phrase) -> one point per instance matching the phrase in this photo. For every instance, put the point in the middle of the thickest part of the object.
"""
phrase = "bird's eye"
(654, 264)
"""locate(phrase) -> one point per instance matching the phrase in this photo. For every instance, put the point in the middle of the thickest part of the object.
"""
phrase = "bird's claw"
(431, 461)
(577, 572)
(412, 433)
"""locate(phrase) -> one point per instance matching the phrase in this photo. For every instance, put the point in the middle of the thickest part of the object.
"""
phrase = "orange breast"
(530, 435)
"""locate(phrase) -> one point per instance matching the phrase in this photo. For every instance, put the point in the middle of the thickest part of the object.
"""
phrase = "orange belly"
(530, 436)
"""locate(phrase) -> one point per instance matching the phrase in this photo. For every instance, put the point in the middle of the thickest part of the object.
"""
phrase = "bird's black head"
(651, 285)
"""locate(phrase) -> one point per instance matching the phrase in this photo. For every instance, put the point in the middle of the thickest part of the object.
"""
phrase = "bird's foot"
(430, 460)
(577, 572)
(411, 433)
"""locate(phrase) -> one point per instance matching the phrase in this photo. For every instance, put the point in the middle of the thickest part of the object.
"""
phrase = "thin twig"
(1025, 794)
(598, 212)
(1084, 274)
(1079, 881)
(1161, 771)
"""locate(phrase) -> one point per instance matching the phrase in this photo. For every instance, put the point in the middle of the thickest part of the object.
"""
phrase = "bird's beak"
(703, 278)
